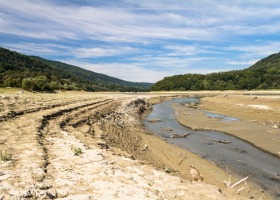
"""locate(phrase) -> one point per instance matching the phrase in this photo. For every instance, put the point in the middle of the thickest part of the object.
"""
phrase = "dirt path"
(55, 146)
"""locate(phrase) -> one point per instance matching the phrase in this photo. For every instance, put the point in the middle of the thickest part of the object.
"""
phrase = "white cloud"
(44, 20)
(175, 64)
(102, 51)
(124, 71)
(246, 63)
(39, 49)
(192, 20)
(257, 50)
(135, 72)
(183, 50)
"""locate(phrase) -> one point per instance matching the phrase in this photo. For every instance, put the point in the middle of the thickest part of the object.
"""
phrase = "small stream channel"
(238, 157)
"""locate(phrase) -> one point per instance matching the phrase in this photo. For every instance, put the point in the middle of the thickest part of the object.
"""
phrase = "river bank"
(255, 119)
(258, 118)
(155, 151)
(92, 145)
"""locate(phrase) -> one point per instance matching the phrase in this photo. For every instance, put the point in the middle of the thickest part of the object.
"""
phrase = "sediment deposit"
(78, 145)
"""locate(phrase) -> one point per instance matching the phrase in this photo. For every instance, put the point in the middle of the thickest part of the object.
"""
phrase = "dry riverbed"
(78, 145)
(259, 118)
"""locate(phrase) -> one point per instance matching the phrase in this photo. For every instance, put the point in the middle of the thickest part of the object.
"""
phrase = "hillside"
(35, 73)
(265, 74)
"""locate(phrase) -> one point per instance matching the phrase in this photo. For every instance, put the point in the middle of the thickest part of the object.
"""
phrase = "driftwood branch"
(261, 196)
(228, 182)
(167, 129)
(180, 153)
(239, 190)
(181, 160)
(239, 182)
(145, 148)
(154, 120)
(222, 141)
(245, 185)
(175, 135)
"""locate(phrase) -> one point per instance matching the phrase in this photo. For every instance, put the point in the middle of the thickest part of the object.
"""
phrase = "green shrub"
(5, 156)
(77, 151)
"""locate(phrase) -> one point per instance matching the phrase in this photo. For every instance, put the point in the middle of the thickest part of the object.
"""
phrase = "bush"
(77, 151)
(5, 156)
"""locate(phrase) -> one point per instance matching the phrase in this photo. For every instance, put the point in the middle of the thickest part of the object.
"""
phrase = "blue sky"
(143, 40)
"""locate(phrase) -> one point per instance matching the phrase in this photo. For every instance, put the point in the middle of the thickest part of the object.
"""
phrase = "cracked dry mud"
(55, 149)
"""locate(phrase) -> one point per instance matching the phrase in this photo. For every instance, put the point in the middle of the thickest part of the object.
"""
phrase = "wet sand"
(259, 118)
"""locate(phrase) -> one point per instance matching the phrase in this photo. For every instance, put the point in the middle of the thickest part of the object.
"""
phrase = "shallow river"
(238, 156)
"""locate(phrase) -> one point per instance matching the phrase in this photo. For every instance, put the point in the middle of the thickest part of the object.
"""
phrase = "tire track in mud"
(12, 114)
(54, 127)
(25, 142)
(42, 129)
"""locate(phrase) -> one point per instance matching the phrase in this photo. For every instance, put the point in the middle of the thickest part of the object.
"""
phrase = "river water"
(237, 157)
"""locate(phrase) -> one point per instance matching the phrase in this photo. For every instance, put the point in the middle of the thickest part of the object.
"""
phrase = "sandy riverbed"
(259, 118)
(90, 145)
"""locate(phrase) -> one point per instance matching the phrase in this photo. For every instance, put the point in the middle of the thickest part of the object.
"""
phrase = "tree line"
(38, 74)
(265, 74)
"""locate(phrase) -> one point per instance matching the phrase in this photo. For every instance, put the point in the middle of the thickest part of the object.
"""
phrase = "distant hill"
(265, 74)
(35, 73)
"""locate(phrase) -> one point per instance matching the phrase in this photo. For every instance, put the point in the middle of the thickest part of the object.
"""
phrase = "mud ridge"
(13, 114)
(41, 130)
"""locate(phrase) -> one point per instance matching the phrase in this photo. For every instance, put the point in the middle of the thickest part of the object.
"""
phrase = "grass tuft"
(5, 156)
(77, 151)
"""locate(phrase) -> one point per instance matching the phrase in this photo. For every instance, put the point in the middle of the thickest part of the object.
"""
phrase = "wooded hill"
(265, 74)
(38, 74)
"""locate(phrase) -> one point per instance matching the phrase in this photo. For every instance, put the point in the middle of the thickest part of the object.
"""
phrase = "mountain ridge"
(102, 76)
(36, 73)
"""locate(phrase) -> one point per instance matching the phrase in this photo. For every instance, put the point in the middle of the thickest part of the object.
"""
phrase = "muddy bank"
(140, 144)
(257, 126)
(230, 153)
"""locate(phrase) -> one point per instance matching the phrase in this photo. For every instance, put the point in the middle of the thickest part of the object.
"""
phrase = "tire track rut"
(55, 138)
(24, 141)
(13, 114)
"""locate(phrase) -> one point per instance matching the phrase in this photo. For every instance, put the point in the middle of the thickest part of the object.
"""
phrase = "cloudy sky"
(143, 40)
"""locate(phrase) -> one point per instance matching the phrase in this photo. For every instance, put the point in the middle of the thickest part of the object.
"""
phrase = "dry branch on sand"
(229, 185)
(145, 148)
(154, 120)
(175, 135)
(277, 177)
(239, 182)
(222, 141)
(167, 129)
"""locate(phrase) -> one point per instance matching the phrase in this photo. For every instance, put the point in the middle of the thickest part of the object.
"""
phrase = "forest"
(38, 74)
(265, 74)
